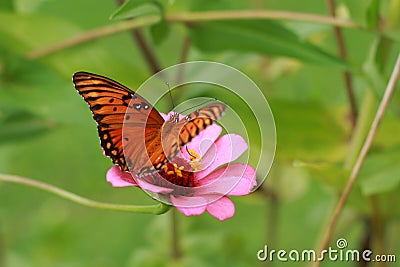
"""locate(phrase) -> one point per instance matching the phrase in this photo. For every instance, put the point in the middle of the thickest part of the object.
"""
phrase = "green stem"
(366, 114)
(2, 248)
(187, 17)
(190, 17)
(159, 208)
(176, 253)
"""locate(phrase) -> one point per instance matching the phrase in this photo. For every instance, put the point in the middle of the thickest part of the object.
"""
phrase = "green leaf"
(20, 124)
(372, 15)
(32, 87)
(329, 174)
(380, 172)
(6, 5)
(307, 132)
(371, 68)
(207, 5)
(357, 10)
(393, 34)
(385, 138)
(159, 32)
(28, 6)
(381, 59)
(136, 8)
(393, 17)
(259, 36)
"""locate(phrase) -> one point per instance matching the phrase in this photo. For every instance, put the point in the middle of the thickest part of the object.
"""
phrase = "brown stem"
(273, 212)
(187, 42)
(346, 74)
(363, 153)
(377, 227)
(365, 242)
(147, 51)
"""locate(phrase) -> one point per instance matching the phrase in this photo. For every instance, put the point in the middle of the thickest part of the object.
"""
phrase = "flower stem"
(272, 200)
(2, 248)
(363, 153)
(175, 248)
(159, 208)
(378, 226)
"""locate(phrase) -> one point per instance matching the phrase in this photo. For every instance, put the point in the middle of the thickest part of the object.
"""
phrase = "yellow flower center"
(195, 160)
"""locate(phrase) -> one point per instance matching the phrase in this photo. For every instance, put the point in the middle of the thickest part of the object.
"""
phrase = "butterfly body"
(132, 132)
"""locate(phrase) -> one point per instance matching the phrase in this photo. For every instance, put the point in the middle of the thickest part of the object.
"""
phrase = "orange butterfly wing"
(111, 103)
(199, 120)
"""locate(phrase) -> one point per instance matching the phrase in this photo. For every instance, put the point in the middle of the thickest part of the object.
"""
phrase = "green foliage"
(47, 131)
(159, 32)
(20, 124)
(373, 14)
(265, 37)
(379, 174)
(137, 8)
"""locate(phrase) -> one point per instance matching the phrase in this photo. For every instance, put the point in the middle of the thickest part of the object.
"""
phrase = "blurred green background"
(47, 132)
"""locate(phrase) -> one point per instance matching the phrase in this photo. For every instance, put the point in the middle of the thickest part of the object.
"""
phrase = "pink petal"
(221, 209)
(228, 148)
(246, 184)
(202, 142)
(151, 187)
(189, 201)
(181, 204)
(191, 211)
(118, 178)
(234, 179)
(209, 156)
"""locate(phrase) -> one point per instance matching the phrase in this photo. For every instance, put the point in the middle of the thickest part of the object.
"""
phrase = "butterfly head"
(174, 118)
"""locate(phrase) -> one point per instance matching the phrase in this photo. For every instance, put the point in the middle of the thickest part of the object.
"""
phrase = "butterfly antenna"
(198, 105)
(191, 155)
(170, 95)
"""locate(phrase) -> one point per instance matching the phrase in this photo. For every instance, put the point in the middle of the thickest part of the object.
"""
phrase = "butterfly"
(132, 132)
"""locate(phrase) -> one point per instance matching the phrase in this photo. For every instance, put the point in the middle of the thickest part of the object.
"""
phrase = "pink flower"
(205, 185)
